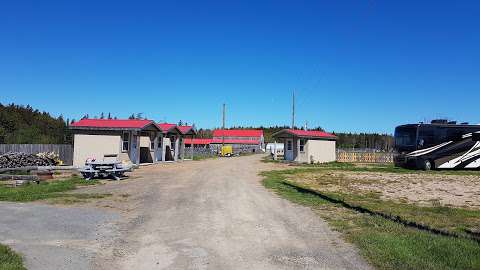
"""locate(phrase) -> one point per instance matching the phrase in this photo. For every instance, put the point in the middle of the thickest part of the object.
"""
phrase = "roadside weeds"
(56, 191)
(9, 260)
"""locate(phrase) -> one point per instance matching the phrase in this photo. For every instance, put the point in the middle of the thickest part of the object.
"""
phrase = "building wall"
(318, 151)
(96, 146)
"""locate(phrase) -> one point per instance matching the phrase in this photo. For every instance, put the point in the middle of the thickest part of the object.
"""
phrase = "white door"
(289, 149)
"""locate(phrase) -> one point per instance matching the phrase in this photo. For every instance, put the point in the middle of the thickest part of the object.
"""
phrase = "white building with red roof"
(241, 140)
(130, 140)
(307, 146)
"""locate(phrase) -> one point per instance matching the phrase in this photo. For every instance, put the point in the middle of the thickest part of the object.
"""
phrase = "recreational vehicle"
(438, 145)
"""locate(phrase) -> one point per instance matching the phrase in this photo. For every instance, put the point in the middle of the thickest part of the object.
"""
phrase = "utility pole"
(223, 125)
(293, 110)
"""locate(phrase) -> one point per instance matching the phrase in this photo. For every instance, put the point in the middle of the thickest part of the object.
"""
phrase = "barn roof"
(237, 133)
(113, 124)
(199, 141)
(315, 134)
(234, 141)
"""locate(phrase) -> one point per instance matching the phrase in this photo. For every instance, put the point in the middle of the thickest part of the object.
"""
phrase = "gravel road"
(211, 214)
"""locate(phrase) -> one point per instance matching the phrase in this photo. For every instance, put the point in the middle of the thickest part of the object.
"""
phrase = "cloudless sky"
(355, 65)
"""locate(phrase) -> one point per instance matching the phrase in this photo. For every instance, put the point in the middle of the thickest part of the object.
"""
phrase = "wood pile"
(17, 159)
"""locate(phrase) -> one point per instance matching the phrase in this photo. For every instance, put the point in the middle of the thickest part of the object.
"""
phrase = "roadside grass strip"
(371, 167)
(48, 190)
(9, 260)
(390, 235)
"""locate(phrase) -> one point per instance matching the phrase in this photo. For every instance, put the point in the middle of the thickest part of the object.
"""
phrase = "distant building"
(307, 146)
(241, 140)
(198, 142)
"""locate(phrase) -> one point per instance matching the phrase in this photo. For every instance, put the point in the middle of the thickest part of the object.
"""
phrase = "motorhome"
(438, 145)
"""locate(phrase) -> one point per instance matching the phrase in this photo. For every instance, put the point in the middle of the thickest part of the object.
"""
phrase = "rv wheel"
(427, 165)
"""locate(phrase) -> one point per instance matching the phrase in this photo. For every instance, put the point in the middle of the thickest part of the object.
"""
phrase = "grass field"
(56, 190)
(384, 239)
(9, 260)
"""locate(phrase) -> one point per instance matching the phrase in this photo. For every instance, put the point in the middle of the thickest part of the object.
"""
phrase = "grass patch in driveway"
(9, 260)
(386, 244)
(47, 190)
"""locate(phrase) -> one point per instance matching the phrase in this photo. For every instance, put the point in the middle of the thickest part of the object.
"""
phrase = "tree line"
(23, 124)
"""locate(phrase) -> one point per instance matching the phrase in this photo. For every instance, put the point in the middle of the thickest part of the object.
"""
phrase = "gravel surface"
(211, 214)
(55, 237)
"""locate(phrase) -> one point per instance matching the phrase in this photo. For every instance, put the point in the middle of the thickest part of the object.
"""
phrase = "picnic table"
(114, 169)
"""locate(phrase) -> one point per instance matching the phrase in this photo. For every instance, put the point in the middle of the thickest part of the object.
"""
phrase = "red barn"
(241, 140)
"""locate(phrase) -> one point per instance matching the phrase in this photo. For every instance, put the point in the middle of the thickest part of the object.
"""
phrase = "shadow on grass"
(397, 219)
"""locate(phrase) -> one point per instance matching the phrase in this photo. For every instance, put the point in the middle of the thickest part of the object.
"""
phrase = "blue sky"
(355, 65)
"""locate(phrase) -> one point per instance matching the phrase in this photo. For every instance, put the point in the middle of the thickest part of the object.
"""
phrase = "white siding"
(94, 146)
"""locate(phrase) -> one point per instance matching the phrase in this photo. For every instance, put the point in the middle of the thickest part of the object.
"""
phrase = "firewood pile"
(17, 159)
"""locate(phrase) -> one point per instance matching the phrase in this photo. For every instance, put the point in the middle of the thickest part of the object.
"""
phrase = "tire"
(427, 165)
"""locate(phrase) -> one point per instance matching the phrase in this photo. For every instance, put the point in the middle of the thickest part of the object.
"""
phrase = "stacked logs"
(17, 159)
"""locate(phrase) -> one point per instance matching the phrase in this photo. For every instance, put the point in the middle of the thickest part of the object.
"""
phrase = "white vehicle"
(270, 148)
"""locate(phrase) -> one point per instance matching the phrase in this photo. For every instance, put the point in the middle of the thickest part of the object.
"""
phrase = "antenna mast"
(223, 125)
(293, 110)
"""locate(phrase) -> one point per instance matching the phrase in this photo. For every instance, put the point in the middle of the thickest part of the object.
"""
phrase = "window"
(405, 136)
(152, 141)
(125, 141)
(426, 136)
(302, 145)
(289, 145)
(152, 144)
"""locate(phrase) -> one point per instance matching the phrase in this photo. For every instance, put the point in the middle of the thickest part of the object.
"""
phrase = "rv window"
(426, 136)
(125, 141)
(302, 145)
(405, 136)
(476, 137)
(455, 134)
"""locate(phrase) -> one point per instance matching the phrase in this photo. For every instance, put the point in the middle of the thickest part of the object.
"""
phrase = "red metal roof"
(199, 141)
(166, 126)
(229, 141)
(238, 133)
(112, 123)
(310, 133)
(184, 129)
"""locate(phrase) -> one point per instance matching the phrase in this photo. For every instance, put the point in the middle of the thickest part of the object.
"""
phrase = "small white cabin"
(307, 146)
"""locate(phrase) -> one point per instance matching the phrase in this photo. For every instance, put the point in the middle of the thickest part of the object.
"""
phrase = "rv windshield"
(405, 136)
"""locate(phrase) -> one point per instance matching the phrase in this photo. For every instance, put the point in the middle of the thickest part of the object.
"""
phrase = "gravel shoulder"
(211, 214)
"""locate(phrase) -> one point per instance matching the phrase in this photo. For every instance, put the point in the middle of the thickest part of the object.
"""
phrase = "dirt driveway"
(212, 214)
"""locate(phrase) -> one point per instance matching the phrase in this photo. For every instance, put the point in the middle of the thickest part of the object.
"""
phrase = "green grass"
(385, 168)
(372, 167)
(384, 243)
(203, 157)
(9, 260)
(47, 190)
